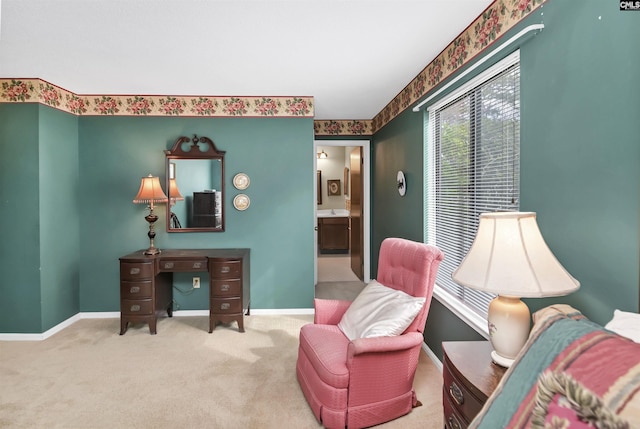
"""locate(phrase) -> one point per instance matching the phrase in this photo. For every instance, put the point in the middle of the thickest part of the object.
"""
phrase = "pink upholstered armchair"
(368, 381)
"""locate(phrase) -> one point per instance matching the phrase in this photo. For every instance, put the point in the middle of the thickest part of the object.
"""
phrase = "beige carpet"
(338, 290)
(335, 268)
(88, 376)
(335, 278)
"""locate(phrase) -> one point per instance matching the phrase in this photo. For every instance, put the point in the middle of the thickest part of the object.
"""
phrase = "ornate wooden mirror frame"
(195, 186)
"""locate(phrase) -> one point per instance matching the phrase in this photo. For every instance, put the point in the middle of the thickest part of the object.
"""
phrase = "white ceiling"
(352, 56)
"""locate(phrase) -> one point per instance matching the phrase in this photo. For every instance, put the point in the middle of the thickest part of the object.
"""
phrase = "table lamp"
(510, 258)
(174, 196)
(150, 192)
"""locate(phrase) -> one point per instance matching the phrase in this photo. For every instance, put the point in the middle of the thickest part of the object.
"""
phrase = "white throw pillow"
(625, 324)
(379, 311)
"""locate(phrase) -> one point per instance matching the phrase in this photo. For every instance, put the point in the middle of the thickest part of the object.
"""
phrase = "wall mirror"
(195, 184)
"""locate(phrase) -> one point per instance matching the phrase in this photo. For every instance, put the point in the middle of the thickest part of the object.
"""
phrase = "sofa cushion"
(326, 348)
(563, 402)
(380, 311)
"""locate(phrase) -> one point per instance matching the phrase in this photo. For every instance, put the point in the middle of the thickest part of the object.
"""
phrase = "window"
(473, 166)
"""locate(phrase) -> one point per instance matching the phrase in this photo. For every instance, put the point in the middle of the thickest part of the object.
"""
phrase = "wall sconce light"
(150, 192)
(510, 258)
(322, 155)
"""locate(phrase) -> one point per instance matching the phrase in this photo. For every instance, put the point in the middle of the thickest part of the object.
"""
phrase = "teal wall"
(277, 155)
(66, 191)
(580, 158)
(20, 225)
(397, 147)
(59, 217)
(39, 254)
(66, 186)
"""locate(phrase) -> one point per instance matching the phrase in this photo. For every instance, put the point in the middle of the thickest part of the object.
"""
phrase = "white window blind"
(473, 157)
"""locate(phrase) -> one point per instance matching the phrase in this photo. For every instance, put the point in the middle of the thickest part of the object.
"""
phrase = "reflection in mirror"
(195, 179)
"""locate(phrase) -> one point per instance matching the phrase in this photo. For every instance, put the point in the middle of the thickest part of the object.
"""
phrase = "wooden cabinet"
(469, 378)
(207, 209)
(229, 293)
(146, 284)
(333, 233)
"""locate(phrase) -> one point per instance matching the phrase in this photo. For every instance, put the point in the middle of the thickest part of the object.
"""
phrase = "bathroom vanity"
(333, 230)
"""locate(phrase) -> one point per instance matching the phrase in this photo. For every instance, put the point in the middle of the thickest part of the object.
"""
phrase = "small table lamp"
(510, 258)
(150, 192)
(174, 196)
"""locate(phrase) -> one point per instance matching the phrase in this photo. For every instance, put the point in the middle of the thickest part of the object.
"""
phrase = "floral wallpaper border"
(497, 19)
(342, 128)
(40, 91)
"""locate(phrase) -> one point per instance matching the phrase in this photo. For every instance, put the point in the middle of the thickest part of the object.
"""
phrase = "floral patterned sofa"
(572, 373)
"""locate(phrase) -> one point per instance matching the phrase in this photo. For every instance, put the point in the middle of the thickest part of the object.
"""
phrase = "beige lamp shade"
(150, 191)
(174, 192)
(510, 257)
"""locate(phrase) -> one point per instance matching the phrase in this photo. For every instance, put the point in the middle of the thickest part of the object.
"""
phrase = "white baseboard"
(432, 356)
(116, 314)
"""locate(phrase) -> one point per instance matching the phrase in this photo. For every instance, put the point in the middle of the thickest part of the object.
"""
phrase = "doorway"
(342, 192)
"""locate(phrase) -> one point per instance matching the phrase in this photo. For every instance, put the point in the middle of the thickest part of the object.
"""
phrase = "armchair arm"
(329, 311)
(383, 361)
(384, 344)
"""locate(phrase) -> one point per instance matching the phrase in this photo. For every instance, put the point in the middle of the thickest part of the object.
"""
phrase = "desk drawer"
(135, 290)
(459, 395)
(175, 266)
(225, 269)
(226, 305)
(224, 288)
(136, 270)
(137, 307)
(452, 420)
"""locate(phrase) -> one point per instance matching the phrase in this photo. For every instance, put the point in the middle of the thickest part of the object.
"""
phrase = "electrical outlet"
(196, 282)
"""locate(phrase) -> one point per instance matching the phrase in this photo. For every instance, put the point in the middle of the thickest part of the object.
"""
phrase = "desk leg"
(152, 326)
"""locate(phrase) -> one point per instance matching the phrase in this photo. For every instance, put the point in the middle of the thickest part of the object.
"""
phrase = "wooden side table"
(469, 379)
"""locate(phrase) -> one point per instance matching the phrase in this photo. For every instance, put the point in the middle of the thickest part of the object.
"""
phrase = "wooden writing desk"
(146, 284)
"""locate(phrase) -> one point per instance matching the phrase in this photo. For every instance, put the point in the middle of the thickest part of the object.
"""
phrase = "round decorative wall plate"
(241, 181)
(241, 202)
(402, 183)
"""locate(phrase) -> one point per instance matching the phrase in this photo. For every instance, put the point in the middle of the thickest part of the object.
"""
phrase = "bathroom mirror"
(195, 186)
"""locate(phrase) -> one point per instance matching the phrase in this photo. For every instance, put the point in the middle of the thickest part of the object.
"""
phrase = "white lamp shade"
(510, 257)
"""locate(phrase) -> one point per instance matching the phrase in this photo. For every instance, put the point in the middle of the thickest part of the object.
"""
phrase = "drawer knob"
(135, 307)
(134, 271)
(168, 265)
(456, 393)
(454, 423)
(225, 269)
(225, 306)
(197, 265)
(225, 287)
(135, 289)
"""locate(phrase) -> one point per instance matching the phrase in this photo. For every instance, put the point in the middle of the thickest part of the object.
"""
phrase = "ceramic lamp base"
(502, 361)
(509, 324)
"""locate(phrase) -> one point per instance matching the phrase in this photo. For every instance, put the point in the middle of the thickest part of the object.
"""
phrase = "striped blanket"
(572, 373)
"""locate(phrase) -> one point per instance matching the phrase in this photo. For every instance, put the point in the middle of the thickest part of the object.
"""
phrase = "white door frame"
(366, 196)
